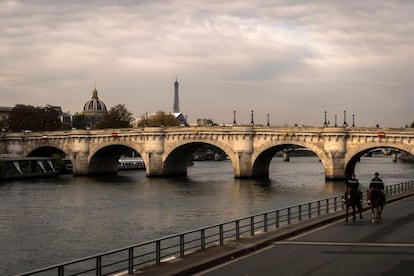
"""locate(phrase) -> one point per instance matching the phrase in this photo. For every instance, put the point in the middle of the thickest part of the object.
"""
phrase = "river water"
(47, 221)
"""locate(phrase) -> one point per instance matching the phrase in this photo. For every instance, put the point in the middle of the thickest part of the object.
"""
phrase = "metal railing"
(129, 259)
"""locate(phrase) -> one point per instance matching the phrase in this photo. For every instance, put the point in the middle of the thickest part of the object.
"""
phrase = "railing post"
(203, 239)
(158, 252)
(130, 260)
(309, 210)
(237, 229)
(319, 207)
(265, 222)
(300, 212)
(327, 205)
(288, 215)
(182, 248)
(252, 226)
(99, 266)
(221, 234)
(335, 202)
(61, 270)
(277, 218)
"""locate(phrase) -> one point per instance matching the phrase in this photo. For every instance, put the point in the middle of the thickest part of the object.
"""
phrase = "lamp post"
(325, 122)
(252, 121)
(335, 120)
(234, 117)
(353, 120)
(345, 124)
(268, 122)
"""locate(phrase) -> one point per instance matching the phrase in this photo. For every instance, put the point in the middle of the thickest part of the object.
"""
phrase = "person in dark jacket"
(378, 184)
(353, 184)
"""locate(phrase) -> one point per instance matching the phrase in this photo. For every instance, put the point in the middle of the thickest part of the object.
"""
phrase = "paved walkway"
(318, 246)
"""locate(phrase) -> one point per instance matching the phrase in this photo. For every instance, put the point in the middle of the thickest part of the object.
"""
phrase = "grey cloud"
(270, 55)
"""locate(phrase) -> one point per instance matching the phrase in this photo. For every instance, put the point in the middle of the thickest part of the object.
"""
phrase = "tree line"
(28, 117)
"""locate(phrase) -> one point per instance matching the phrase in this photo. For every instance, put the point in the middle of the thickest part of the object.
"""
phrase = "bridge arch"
(352, 157)
(104, 159)
(57, 154)
(263, 156)
(175, 160)
(45, 151)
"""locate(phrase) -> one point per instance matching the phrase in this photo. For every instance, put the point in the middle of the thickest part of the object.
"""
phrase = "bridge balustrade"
(155, 252)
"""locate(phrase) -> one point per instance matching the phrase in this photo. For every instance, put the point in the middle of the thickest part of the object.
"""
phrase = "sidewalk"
(202, 260)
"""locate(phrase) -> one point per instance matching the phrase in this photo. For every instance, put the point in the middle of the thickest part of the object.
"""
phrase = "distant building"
(94, 109)
(176, 108)
(205, 122)
(64, 117)
(176, 111)
(181, 118)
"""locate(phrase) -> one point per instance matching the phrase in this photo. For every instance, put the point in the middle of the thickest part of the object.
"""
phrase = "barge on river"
(131, 163)
(26, 167)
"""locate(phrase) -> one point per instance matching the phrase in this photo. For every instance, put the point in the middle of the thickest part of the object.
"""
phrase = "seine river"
(48, 221)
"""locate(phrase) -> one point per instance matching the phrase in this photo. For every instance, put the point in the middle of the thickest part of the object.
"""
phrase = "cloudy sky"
(291, 59)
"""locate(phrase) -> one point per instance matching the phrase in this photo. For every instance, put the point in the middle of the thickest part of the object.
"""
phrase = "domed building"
(94, 109)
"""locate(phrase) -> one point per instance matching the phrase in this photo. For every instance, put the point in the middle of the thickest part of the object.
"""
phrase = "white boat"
(131, 163)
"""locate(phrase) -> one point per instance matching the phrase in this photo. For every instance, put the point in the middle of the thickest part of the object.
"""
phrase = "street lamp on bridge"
(234, 117)
(345, 124)
(268, 122)
(252, 121)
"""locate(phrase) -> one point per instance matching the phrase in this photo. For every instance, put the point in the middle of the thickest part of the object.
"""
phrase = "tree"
(23, 117)
(412, 125)
(79, 121)
(158, 119)
(117, 117)
(49, 119)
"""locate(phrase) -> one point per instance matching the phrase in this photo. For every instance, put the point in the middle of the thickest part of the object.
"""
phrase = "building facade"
(94, 109)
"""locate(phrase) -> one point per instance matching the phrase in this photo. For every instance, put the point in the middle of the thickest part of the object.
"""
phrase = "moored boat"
(26, 167)
(131, 163)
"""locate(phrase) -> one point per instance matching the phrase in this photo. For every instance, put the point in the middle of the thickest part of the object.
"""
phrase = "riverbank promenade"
(324, 245)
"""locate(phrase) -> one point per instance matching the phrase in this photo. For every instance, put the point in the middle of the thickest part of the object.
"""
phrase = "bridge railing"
(155, 252)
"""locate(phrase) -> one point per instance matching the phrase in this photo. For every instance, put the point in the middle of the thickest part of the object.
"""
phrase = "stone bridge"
(167, 151)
